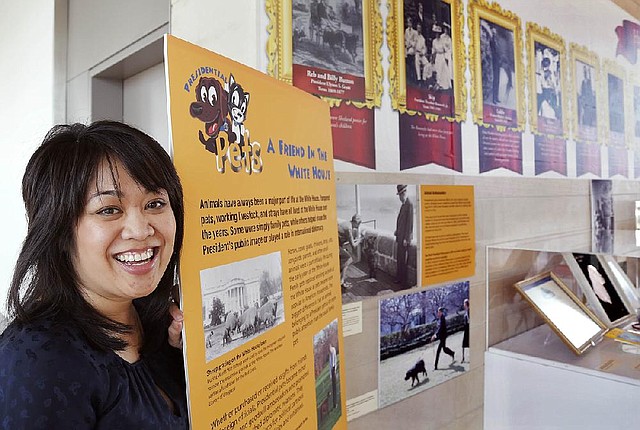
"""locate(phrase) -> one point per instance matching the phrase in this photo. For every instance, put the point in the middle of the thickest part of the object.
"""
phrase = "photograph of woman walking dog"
(423, 340)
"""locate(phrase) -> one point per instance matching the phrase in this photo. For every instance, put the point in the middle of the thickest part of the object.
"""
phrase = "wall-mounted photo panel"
(421, 347)
(585, 83)
(497, 72)
(548, 107)
(604, 298)
(427, 58)
(629, 293)
(378, 237)
(602, 216)
(576, 325)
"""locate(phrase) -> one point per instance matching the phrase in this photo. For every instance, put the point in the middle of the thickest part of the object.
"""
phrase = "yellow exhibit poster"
(448, 233)
(259, 272)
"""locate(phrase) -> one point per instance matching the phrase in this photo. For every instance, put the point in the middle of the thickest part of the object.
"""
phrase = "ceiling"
(631, 6)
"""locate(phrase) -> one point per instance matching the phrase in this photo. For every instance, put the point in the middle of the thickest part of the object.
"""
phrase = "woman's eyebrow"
(101, 193)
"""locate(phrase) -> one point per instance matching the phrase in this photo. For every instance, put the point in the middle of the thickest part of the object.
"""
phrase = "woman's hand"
(175, 328)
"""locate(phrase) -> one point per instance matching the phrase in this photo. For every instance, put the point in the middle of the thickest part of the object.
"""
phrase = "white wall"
(144, 103)
(26, 111)
(230, 28)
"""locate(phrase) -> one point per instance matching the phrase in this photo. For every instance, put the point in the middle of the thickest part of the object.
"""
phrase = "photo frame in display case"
(575, 324)
(604, 296)
(630, 294)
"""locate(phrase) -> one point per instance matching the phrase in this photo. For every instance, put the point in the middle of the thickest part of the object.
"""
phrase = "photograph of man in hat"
(403, 234)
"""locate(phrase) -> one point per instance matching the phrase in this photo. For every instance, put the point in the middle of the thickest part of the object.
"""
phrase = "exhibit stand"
(534, 379)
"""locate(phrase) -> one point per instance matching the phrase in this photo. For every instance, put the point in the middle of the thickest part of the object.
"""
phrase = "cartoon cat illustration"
(238, 103)
(211, 107)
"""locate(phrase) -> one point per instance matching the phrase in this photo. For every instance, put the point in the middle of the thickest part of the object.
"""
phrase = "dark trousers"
(410, 66)
(333, 386)
(442, 346)
(402, 252)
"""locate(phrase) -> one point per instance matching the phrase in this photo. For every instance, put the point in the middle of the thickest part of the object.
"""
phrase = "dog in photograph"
(415, 371)
(369, 250)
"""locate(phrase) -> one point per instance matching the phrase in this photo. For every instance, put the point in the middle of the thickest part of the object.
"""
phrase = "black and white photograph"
(602, 225)
(328, 34)
(586, 94)
(498, 65)
(604, 289)
(548, 79)
(428, 45)
(615, 86)
(326, 363)
(424, 340)
(377, 238)
(240, 301)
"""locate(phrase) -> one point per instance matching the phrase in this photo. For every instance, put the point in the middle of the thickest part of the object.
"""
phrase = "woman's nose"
(137, 226)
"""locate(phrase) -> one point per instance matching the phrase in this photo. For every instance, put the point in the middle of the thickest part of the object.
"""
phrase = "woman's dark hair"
(54, 189)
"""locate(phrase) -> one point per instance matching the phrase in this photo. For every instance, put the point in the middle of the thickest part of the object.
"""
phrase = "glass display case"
(551, 308)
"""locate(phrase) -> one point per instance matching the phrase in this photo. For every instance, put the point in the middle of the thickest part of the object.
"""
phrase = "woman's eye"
(156, 204)
(108, 211)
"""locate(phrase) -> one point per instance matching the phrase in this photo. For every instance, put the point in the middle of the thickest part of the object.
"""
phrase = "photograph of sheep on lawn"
(424, 340)
(240, 301)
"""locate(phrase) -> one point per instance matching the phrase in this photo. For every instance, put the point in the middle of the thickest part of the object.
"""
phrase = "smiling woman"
(88, 345)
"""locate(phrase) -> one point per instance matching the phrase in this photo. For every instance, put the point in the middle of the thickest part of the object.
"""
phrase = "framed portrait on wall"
(584, 66)
(427, 57)
(574, 323)
(614, 88)
(547, 81)
(331, 48)
(495, 59)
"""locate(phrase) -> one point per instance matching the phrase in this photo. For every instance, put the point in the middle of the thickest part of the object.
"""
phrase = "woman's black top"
(52, 378)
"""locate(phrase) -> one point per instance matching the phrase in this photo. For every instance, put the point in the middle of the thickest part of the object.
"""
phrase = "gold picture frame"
(280, 48)
(584, 67)
(616, 70)
(397, 63)
(479, 11)
(567, 316)
(537, 37)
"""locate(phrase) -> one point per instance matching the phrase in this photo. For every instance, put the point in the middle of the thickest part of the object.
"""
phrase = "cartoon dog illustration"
(211, 108)
(238, 103)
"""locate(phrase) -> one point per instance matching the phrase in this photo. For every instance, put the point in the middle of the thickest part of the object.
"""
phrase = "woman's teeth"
(135, 257)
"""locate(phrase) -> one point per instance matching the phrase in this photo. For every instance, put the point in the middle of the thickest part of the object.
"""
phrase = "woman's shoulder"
(49, 343)
(50, 375)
